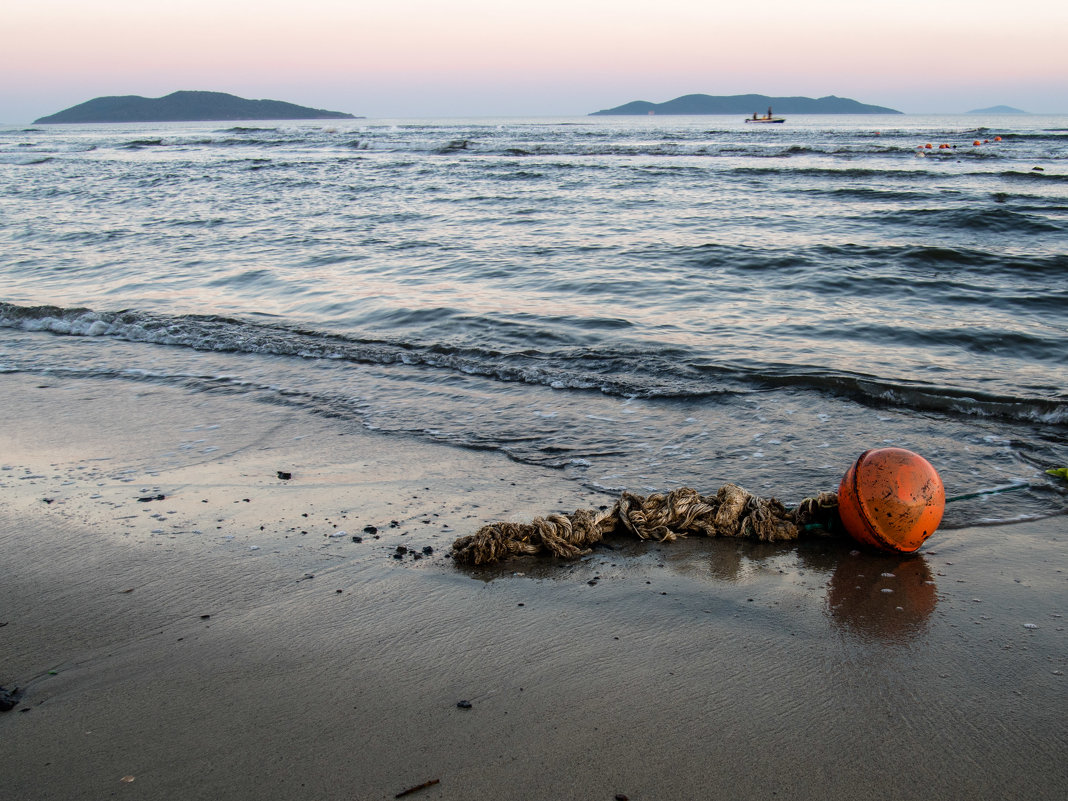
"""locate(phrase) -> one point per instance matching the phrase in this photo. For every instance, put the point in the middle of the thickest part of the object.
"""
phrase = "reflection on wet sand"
(865, 594)
(890, 598)
(868, 594)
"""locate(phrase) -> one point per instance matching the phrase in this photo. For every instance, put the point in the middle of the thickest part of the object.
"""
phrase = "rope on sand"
(732, 512)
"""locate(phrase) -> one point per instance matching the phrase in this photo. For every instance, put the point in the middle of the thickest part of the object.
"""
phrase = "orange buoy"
(891, 499)
(977, 143)
(927, 146)
(997, 138)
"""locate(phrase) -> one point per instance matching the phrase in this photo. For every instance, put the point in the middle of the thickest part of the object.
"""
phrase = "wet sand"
(228, 641)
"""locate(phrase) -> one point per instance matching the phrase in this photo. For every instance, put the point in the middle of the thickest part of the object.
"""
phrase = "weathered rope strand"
(732, 512)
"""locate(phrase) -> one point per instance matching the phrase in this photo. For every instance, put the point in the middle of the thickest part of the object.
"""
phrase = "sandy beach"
(181, 622)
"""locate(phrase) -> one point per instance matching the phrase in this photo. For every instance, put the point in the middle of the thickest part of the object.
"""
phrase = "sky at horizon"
(427, 58)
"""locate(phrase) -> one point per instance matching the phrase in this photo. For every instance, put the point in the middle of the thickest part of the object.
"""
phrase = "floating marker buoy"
(891, 499)
(977, 143)
(997, 138)
(927, 146)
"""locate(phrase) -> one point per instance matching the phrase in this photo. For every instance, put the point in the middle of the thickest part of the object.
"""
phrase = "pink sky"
(476, 57)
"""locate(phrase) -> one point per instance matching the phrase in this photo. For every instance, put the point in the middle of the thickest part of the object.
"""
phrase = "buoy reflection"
(885, 597)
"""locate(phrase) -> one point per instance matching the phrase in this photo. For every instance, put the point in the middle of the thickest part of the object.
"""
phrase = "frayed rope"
(732, 512)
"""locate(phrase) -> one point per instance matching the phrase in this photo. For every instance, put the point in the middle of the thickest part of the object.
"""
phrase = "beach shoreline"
(232, 640)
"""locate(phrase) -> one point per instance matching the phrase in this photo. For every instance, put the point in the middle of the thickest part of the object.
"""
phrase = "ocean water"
(642, 303)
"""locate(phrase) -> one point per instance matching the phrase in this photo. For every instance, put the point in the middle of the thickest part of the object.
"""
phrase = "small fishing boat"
(766, 118)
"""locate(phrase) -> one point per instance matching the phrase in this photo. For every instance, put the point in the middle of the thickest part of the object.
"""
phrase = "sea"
(640, 303)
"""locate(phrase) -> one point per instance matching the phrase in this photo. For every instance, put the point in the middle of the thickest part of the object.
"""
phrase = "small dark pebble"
(428, 550)
(463, 704)
(50, 500)
(402, 549)
(592, 582)
(602, 507)
(370, 530)
(356, 538)
(148, 498)
(621, 797)
(394, 524)
(282, 474)
(398, 556)
(205, 617)
(339, 591)
(8, 699)
(521, 604)
(246, 500)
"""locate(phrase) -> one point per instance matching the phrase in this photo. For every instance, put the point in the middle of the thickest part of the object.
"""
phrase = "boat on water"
(769, 117)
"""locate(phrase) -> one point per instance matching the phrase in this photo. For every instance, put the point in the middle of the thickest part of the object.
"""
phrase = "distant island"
(998, 110)
(746, 105)
(186, 107)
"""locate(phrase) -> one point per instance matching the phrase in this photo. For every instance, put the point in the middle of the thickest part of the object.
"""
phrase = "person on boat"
(769, 113)
(754, 115)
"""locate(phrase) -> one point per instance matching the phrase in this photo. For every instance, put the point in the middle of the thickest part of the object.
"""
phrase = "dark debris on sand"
(9, 699)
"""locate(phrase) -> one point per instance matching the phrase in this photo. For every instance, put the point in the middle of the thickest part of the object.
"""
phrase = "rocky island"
(997, 110)
(746, 105)
(186, 107)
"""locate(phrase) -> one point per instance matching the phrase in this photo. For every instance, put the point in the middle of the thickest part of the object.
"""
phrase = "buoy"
(997, 138)
(977, 143)
(927, 146)
(891, 499)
